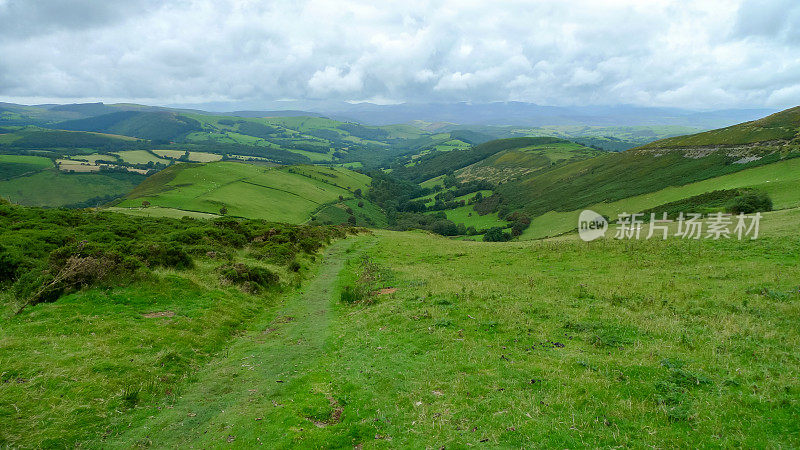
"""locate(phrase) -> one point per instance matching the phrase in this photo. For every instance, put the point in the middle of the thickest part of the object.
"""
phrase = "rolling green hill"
(436, 164)
(783, 126)
(517, 162)
(159, 126)
(283, 194)
(52, 188)
(612, 178)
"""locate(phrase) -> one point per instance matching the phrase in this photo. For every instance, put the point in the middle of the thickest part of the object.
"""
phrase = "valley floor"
(554, 343)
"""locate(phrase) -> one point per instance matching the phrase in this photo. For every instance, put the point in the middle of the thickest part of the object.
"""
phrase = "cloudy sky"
(706, 54)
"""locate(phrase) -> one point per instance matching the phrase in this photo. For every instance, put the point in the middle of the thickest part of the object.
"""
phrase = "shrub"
(496, 234)
(9, 265)
(76, 272)
(750, 202)
(250, 278)
(168, 255)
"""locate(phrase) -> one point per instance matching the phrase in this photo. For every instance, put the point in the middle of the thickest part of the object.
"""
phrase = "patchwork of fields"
(288, 194)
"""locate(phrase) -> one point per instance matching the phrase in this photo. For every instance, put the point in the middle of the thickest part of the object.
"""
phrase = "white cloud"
(701, 54)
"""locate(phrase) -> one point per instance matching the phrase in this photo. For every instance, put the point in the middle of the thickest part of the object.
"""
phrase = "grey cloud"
(700, 54)
(23, 18)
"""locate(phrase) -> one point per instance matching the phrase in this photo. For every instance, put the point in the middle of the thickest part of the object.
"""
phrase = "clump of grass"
(369, 278)
(251, 279)
(673, 392)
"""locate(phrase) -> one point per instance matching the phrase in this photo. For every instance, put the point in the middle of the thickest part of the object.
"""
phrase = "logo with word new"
(591, 225)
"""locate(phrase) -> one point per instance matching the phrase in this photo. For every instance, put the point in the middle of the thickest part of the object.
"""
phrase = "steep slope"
(518, 162)
(780, 129)
(436, 164)
(654, 167)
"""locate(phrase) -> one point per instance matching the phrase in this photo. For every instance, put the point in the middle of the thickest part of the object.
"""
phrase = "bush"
(750, 202)
(168, 255)
(496, 234)
(249, 278)
(9, 265)
(76, 272)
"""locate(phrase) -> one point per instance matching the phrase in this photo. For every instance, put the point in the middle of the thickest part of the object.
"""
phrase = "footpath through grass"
(272, 386)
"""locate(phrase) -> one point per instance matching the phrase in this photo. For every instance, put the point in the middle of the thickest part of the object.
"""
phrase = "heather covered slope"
(668, 163)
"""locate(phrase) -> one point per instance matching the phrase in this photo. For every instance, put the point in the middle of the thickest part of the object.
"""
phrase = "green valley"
(306, 282)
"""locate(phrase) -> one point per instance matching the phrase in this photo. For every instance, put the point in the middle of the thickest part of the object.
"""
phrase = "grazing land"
(228, 299)
(51, 188)
(279, 194)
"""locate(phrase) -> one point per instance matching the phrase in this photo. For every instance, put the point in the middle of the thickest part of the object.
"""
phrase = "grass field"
(554, 343)
(470, 218)
(142, 157)
(53, 189)
(156, 211)
(94, 157)
(247, 190)
(563, 344)
(16, 165)
(367, 215)
(780, 180)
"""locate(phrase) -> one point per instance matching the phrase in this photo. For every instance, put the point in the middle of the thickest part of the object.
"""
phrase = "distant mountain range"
(528, 114)
(497, 114)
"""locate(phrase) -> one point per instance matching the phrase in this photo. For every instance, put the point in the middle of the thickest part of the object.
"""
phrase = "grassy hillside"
(521, 161)
(617, 176)
(609, 138)
(12, 166)
(781, 126)
(120, 311)
(556, 343)
(436, 164)
(780, 180)
(160, 126)
(283, 194)
(52, 188)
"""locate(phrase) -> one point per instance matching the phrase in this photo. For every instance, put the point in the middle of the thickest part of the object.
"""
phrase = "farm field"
(193, 156)
(470, 218)
(17, 165)
(246, 190)
(141, 157)
(54, 189)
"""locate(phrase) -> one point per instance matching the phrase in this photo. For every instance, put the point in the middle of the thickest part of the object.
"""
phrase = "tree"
(360, 204)
(223, 211)
(145, 204)
(341, 197)
(351, 220)
(496, 234)
(357, 192)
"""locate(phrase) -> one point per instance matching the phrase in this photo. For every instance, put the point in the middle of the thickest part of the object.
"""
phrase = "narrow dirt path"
(269, 386)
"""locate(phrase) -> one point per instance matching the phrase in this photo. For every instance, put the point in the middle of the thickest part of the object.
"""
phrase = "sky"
(704, 54)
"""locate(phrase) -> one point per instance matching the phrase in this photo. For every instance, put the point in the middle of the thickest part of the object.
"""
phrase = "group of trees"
(396, 197)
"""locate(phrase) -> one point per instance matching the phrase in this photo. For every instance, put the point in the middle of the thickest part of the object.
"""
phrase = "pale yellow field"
(67, 165)
(193, 156)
